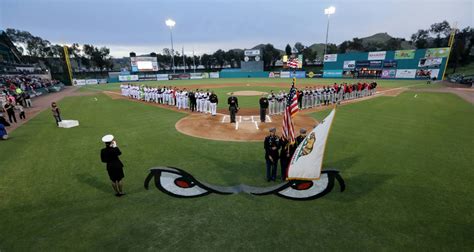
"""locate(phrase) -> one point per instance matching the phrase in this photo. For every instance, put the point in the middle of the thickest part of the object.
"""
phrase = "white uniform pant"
(213, 107)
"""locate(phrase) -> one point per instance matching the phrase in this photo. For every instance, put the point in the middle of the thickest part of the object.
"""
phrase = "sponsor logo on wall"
(214, 75)
(284, 74)
(332, 73)
(437, 52)
(427, 73)
(330, 57)
(162, 77)
(349, 64)
(377, 55)
(128, 77)
(430, 62)
(388, 73)
(405, 73)
(405, 54)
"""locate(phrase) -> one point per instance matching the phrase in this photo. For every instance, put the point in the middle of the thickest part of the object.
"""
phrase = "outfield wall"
(400, 64)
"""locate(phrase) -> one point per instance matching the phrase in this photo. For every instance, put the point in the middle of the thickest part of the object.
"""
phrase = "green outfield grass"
(407, 163)
(256, 81)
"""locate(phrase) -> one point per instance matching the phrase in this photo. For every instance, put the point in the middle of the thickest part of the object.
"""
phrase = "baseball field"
(407, 160)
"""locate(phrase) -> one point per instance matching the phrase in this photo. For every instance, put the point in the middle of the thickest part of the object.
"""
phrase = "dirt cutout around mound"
(246, 129)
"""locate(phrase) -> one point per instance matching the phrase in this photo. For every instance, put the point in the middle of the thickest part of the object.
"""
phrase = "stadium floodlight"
(328, 11)
(171, 23)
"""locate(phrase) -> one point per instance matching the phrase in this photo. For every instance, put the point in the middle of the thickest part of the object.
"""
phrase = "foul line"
(256, 125)
(269, 118)
(236, 125)
(223, 118)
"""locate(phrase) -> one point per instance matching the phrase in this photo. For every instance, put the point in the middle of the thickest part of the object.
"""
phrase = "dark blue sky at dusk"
(208, 25)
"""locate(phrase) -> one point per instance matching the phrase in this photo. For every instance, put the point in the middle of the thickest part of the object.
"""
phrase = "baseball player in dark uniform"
(110, 155)
(271, 145)
(233, 106)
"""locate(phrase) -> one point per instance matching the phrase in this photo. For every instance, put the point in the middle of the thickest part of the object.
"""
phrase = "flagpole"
(184, 62)
(194, 62)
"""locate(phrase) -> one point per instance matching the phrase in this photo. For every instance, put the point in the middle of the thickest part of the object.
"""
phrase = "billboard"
(332, 73)
(405, 73)
(330, 57)
(183, 76)
(427, 73)
(298, 74)
(369, 64)
(214, 75)
(162, 77)
(377, 55)
(143, 64)
(437, 52)
(348, 74)
(430, 62)
(388, 73)
(390, 64)
(128, 77)
(274, 75)
(252, 52)
(284, 74)
(77, 82)
(349, 64)
(92, 81)
(405, 54)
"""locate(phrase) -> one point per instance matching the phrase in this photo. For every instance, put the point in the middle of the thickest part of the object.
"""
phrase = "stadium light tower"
(328, 11)
(171, 23)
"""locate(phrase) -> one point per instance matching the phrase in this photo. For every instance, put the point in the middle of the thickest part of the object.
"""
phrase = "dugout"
(401, 64)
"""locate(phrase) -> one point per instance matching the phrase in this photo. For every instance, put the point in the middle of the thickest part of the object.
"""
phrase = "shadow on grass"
(360, 185)
(94, 182)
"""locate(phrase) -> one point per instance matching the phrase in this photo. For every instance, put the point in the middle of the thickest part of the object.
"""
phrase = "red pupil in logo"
(303, 185)
(183, 183)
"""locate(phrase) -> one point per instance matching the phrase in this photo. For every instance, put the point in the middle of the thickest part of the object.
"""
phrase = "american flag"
(293, 63)
(290, 110)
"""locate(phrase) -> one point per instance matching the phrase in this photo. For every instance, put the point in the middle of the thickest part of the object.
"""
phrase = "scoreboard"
(144, 64)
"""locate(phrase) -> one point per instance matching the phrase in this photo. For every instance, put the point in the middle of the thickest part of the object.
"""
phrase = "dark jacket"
(233, 102)
(213, 98)
(263, 102)
(110, 156)
(272, 141)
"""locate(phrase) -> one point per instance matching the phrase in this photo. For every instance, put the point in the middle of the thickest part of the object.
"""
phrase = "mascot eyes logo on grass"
(306, 180)
(178, 183)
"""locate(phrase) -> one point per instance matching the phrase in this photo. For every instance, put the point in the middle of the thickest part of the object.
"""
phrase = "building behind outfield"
(401, 64)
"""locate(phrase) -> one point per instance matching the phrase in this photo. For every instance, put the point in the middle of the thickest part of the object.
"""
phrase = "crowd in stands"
(16, 93)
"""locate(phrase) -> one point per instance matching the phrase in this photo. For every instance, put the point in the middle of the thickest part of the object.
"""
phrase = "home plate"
(68, 123)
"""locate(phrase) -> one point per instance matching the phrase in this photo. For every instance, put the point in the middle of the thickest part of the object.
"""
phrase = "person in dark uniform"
(263, 108)
(300, 99)
(233, 106)
(271, 145)
(286, 153)
(192, 101)
(110, 155)
(9, 108)
(301, 137)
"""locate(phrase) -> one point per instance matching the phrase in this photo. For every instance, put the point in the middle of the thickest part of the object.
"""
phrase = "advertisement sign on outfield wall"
(430, 62)
(349, 64)
(162, 77)
(330, 57)
(377, 55)
(284, 74)
(437, 52)
(77, 82)
(404, 54)
(214, 75)
(92, 82)
(298, 74)
(128, 77)
(332, 73)
(405, 73)
(183, 76)
(427, 73)
(274, 75)
(389, 73)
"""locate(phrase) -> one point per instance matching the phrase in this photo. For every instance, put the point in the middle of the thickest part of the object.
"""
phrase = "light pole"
(329, 11)
(171, 23)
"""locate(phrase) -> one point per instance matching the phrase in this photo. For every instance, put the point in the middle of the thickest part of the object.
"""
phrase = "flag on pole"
(290, 111)
(307, 161)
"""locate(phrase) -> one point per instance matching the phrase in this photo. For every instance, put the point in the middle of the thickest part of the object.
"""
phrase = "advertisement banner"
(91, 82)
(377, 55)
(349, 64)
(427, 73)
(205, 75)
(146, 77)
(128, 77)
(300, 61)
(375, 64)
(274, 75)
(404, 54)
(332, 73)
(196, 76)
(388, 73)
(362, 63)
(284, 74)
(285, 58)
(330, 57)
(102, 81)
(437, 52)
(77, 82)
(430, 62)
(310, 75)
(405, 73)
(298, 74)
(390, 64)
(214, 75)
(252, 52)
(348, 74)
(162, 77)
(183, 76)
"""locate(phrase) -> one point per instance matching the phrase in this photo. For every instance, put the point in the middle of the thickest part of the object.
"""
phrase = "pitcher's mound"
(248, 93)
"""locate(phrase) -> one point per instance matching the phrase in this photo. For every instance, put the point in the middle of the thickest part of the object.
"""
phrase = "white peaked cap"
(107, 138)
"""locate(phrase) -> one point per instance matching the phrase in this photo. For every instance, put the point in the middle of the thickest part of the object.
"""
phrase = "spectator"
(9, 108)
(3, 132)
(21, 110)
